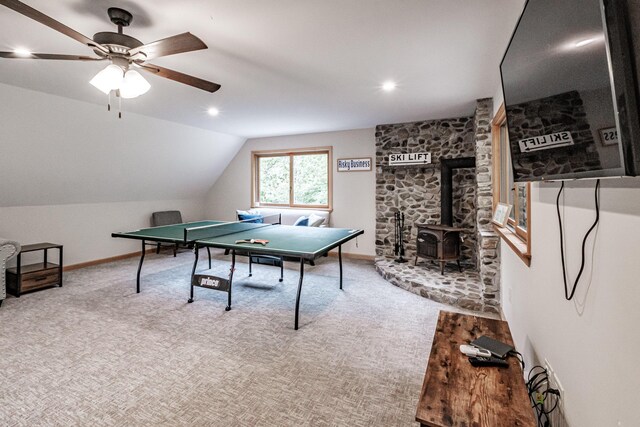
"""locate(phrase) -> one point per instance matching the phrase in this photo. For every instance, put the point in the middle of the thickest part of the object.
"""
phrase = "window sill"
(515, 243)
(309, 208)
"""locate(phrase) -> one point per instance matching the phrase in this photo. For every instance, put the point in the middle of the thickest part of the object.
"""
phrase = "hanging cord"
(569, 296)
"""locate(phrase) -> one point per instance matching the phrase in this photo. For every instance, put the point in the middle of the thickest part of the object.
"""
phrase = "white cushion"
(289, 216)
(315, 220)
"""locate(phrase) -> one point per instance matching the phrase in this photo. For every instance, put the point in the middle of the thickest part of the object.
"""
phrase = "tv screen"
(561, 96)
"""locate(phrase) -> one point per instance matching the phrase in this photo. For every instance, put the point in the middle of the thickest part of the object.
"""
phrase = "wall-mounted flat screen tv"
(570, 91)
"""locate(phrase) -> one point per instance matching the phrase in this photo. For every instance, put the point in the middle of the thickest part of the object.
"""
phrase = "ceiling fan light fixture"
(111, 78)
(133, 85)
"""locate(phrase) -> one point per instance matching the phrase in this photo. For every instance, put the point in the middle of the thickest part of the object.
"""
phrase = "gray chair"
(8, 249)
(166, 218)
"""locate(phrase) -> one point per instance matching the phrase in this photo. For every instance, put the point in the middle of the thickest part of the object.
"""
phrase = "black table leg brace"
(195, 248)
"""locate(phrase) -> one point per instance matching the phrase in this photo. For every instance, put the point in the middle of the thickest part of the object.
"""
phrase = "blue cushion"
(303, 221)
(257, 218)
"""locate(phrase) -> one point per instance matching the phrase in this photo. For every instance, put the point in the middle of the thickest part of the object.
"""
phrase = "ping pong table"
(293, 242)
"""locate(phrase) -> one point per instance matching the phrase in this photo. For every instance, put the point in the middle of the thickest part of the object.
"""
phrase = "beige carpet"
(95, 353)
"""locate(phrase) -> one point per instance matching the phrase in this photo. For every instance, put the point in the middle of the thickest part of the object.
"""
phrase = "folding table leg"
(340, 262)
(193, 271)
(281, 269)
(140, 268)
(299, 291)
(209, 253)
(250, 264)
(233, 267)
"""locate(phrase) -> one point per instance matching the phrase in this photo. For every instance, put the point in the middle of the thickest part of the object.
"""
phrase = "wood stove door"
(427, 244)
(451, 246)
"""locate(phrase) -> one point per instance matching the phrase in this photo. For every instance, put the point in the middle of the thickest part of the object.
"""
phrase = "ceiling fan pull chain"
(119, 107)
(109, 102)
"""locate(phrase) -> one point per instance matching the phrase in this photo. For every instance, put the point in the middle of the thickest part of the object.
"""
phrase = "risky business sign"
(349, 165)
(545, 142)
(409, 159)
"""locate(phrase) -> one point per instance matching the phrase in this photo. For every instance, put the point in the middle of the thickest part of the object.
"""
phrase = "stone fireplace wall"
(415, 190)
(488, 240)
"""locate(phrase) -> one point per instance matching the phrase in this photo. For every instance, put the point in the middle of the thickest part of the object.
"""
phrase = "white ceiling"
(285, 66)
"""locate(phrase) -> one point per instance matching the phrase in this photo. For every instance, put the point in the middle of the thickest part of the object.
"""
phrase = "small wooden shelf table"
(454, 393)
(25, 278)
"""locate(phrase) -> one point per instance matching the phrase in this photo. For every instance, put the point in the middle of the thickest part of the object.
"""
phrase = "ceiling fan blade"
(14, 55)
(36, 15)
(185, 42)
(181, 77)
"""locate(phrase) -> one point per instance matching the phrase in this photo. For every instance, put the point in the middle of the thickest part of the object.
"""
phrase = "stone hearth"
(461, 289)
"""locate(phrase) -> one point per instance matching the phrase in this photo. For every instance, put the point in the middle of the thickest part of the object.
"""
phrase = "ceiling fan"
(124, 52)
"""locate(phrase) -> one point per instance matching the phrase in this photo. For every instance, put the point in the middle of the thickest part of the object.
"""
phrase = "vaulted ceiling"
(285, 66)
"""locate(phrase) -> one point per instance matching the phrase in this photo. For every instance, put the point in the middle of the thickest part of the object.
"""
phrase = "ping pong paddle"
(260, 241)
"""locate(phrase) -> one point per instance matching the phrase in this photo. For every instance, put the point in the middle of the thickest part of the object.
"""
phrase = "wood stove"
(439, 242)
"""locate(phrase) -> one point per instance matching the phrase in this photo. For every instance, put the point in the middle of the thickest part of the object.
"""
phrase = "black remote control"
(488, 361)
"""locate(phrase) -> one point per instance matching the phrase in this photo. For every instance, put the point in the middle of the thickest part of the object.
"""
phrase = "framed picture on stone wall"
(501, 214)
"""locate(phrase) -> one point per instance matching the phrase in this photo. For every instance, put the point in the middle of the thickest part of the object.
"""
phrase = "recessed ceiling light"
(22, 52)
(213, 111)
(388, 86)
(584, 42)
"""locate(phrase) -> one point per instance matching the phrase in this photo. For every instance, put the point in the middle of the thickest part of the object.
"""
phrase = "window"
(517, 232)
(292, 178)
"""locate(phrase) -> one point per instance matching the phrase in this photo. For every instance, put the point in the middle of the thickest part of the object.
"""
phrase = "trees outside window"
(292, 178)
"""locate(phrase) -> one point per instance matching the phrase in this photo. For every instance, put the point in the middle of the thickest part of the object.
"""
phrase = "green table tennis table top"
(284, 240)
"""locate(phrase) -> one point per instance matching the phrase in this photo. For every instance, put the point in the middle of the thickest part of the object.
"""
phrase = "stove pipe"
(446, 185)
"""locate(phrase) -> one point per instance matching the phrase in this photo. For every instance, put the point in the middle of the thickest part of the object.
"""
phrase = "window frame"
(291, 153)
(518, 238)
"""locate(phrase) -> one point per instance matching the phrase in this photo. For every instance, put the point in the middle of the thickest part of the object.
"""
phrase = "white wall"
(85, 229)
(57, 151)
(72, 173)
(592, 342)
(353, 192)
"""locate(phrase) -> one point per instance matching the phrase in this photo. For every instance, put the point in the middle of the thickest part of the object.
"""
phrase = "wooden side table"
(25, 278)
(454, 393)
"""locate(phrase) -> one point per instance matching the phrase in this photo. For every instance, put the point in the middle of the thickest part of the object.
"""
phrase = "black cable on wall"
(569, 295)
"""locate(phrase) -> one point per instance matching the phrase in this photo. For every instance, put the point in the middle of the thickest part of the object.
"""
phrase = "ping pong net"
(217, 230)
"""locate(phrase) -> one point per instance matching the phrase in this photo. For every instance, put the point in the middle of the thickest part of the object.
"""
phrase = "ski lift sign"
(405, 159)
(545, 142)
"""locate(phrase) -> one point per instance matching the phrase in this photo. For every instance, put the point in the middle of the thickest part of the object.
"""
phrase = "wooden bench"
(454, 393)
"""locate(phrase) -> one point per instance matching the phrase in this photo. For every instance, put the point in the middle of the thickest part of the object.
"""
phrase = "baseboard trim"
(105, 260)
(353, 256)
(137, 254)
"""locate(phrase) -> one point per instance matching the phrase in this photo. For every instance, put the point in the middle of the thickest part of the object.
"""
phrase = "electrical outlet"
(554, 382)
